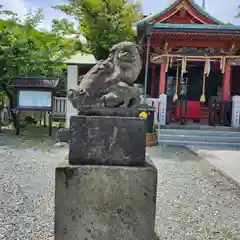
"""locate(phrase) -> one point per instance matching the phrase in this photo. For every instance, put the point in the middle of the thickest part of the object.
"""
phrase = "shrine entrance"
(184, 93)
(195, 77)
(204, 50)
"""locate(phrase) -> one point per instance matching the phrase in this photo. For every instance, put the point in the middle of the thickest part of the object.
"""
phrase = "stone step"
(203, 137)
(208, 144)
(193, 132)
(199, 138)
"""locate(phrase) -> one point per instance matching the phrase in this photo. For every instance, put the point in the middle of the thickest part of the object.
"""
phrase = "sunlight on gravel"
(27, 187)
(194, 201)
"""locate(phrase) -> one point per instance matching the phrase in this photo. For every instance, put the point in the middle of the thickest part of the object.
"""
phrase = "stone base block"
(107, 140)
(105, 202)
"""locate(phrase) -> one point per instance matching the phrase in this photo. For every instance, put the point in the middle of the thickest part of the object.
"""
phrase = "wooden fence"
(59, 110)
(5, 114)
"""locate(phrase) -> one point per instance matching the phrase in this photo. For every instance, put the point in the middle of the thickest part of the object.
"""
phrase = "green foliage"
(102, 22)
(238, 15)
(26, 51)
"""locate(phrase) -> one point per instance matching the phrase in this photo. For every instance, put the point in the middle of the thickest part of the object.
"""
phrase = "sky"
(224, 11)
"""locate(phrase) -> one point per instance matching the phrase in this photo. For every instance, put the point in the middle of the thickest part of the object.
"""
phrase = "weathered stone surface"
(121, 112)
(110, 82)
(105, 202)
(63, 135)
(107, 140)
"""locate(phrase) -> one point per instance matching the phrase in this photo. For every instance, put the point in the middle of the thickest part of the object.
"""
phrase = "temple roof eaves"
(175, 4)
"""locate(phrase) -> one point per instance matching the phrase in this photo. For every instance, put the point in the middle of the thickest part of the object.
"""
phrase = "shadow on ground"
(30, 137)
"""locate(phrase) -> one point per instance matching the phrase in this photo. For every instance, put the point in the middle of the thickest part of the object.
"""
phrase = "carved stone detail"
(110, 83)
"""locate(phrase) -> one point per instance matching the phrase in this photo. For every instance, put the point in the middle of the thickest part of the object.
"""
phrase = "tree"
(26, 51)
(103, 22)
(238, 15)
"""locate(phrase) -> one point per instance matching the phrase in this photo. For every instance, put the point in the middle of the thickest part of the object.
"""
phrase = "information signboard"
(34, 99)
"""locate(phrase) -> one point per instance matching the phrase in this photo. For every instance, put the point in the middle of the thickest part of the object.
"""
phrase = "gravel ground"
(26, 188)
(194, 201)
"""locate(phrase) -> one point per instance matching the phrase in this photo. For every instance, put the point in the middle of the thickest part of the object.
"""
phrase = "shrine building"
(193, 58)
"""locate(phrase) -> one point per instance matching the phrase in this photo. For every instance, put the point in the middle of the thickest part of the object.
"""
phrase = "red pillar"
(162, 80)
(153, 81)
(226, 83)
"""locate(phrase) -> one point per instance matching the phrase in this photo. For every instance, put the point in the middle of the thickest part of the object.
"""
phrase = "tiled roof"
(192, 2)
(36, 82)
(82, 59)
(196, 26)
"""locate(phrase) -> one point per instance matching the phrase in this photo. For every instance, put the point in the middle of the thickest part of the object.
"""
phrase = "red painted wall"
(182, 17)
(187, 15)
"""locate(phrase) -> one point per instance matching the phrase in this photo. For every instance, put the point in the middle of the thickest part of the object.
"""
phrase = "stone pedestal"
(107, 190)
(105, 202)
(107, 140)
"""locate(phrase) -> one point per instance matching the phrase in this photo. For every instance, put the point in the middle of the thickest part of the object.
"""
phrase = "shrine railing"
(216, 113)
(220, 113)
(59, 107)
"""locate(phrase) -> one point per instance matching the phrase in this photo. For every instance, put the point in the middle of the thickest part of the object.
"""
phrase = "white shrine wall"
(72, 79)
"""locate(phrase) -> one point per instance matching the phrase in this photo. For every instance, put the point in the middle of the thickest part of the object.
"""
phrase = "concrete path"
(194, 200)
(226, 161)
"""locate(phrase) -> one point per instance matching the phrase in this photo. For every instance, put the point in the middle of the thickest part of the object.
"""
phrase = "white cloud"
(17, 6)
(224, 11)
(21, 7)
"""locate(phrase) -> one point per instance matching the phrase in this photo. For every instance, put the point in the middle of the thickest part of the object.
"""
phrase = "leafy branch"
(103, 22)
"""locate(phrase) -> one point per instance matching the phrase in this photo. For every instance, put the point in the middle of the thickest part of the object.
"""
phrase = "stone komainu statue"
(110, 83)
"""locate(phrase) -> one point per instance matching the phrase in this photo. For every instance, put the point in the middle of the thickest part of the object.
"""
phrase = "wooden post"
(17, 122)
(226, 82)
(162, 81)
(44, 119)
(50, 123)
(1, 118)
(40, 120)
(153, 81)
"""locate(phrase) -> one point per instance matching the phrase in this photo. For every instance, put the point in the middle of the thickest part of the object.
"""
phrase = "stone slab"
(107, 140)
(122, 112)
(224, 160)
(105, 202)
